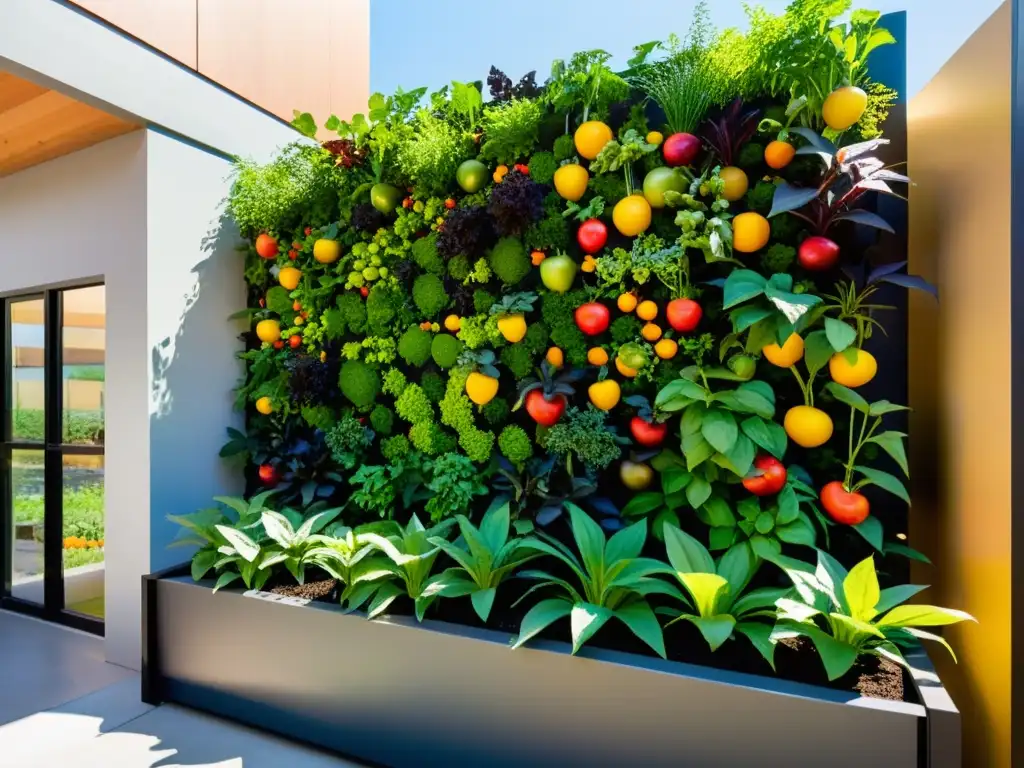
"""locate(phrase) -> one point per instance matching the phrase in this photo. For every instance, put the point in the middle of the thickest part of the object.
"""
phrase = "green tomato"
(659, 181)
(418, 206)
(557, 273)
(472, 176)
(385, 198)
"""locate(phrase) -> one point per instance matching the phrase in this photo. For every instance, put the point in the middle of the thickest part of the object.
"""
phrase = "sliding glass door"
(51, 454)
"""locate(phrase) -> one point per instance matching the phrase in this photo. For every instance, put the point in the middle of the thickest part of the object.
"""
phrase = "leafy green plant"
(846, 614)
(510, 130)
(455, 481)
(410, 558)
(585, 83)
(766, 524)
(769, 309)
(722, 429)
(717, 605)
(350, 559)
(485, 557)
(294, 540)
(613, 582)
(585, 435)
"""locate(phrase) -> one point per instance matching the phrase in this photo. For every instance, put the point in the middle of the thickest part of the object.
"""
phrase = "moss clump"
(518, 360)
(414, 346)
(414, 406)
(428, 294)
(558, 311)
(445, 349)
(429, 438)
(394, 449)
(550, 233)
(564, 147)
(433, 385)
(542, 167)
(610, 186)
(483, 301)
(380, 308)
(318, 416)
(424, 253)
(785, 228)
(353, 312)
(459, 267)
(778, 258)
(625, 329)
(382, 420)
(536, 338)
(394, 382)
(496, 412)
(515, 445)
(457, 413)
(750, 155)
(509, 260)
(760, 196)
(359, 383)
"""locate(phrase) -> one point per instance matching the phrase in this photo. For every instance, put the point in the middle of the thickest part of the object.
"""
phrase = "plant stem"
(800, 381)
(850, 455)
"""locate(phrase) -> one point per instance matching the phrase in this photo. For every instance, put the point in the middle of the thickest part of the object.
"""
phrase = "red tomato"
(818, 254)
(769, 479)
(449, 203)
(646, 433)
(278, 344)
(680, 149)
(294, 341)
(545, 412)
(843, 506)
(266, 246)
(593, 318)
(683, 314)
(297, 306)
(592, 235)
(364, 291)
(308, 231)
(268, 474)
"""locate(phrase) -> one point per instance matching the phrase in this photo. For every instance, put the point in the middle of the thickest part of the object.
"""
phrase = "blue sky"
(414, 43)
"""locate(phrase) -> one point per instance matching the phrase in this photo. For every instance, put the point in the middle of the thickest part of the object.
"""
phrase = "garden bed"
(400, 694)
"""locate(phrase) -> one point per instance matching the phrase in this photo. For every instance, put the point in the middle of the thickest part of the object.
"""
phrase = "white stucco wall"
(195, 281)
(80, 217)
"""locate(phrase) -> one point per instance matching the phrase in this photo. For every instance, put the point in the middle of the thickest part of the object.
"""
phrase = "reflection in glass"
(27, 345)
(84, 534)
(84, 334)
(27, 541)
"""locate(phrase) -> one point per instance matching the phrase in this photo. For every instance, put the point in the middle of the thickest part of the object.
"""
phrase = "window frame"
(54, 450)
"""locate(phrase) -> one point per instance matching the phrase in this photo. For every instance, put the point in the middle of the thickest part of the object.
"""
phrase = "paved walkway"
(62, 705)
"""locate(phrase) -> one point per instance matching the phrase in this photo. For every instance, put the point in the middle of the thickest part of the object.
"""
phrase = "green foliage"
(750, 156)
(584, 435)
(318, 416)
(609, 186)
(431, 155)
(585, 84)
(382, 419)
(414, 406)
(348, 441)
(429, 295)
(558, 311)
(271, 197)
(515, 445)
(625, 329)
(542, 167)
(564, 148)
(778, 258)
(394, 448)
(496, 412)
(536, 338)
(509, 260)
(381, 308)
(445, 349)
(394, 382)
(483, 301)
(458, 267)
(359, 383)
(551, 233)
(613, 581)
(485, 557)
(457, 413)
(518, 359)
(511, 130)
(80, 426)
(759, 197)
(424, 253)
(429, 438)
(434, 385)
(454, 481)
(414, 346)
(847, 614)
(352, 310)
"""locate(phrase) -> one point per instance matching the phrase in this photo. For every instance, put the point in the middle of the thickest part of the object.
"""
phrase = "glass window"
(27, 382)
(84, 355)
(27, 541)
(84, 532)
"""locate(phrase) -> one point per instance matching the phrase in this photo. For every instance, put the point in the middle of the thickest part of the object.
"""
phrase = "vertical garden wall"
(608, 357)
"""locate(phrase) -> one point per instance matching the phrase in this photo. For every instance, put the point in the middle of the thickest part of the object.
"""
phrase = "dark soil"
(795, 660)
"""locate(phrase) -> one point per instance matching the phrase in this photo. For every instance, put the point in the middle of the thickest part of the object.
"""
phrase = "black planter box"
(401, 694)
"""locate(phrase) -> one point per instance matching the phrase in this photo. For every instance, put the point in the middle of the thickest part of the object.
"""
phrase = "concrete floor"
(62, 705)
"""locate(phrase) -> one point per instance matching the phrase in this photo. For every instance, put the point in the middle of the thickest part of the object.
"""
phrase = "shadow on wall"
(191, 398)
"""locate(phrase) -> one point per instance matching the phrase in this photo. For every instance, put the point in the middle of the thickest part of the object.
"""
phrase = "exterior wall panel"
(168, 25)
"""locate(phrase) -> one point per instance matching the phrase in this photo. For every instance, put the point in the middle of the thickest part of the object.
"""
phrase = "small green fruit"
(472, 176)
(558, 272)
(658, 182)
(385, 198)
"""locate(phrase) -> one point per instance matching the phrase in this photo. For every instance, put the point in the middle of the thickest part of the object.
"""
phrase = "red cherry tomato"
(308, 231)
(449, 203)
(278, 344)
(646, 433)
(544, 411)
(593, 318)
(817, 254)
(268, 474)
(592, 235)
(683, 314)
(769, 479)
(266, 246)
(364, 291)
(294, 341)
(843, 506)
